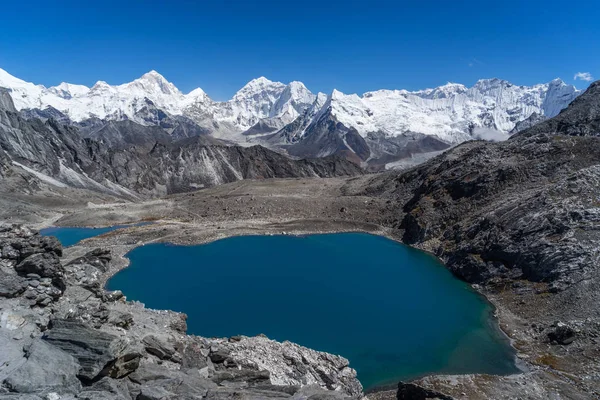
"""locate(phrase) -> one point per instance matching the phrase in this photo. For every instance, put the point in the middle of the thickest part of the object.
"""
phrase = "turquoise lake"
(395, 312)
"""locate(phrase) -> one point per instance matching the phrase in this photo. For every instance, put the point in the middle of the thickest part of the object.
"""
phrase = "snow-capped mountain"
(450, 112)
(259, 99)
(282, 115)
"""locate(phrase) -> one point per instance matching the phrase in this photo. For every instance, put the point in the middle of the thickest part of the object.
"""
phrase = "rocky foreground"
(62, 336)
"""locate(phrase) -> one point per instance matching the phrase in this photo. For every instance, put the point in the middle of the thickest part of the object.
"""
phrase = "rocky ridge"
(64, 337)
(291, 117)
(131, 161)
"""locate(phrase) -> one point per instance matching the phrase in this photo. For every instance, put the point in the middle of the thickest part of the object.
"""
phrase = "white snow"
(450, 112)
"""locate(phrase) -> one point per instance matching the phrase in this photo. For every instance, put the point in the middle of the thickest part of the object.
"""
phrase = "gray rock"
(158, 347)
(151, 372)
(195, 355)
(9, 252)
(245, 376)
(6, 101)
(11, 355)
(155, 393)
(179, 386)
(121, 319)
(106, 388)
(11, 285)
(97, 258)
(289, 363)
(112, 296)
(410, 391)
(47, 368)
(562, 334)
(314, 392)
(99, 353)
(244, 394)
(46, 265)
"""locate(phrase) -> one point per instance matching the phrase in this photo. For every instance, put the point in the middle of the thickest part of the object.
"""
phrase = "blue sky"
(354, 46)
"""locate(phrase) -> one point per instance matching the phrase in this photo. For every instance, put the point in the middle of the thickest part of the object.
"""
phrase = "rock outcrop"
(63, 336)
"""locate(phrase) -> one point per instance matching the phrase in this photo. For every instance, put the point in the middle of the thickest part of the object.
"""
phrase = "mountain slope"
(448, 111)
(291, 117)
(128, 160)
(525, 208)
(581, 118)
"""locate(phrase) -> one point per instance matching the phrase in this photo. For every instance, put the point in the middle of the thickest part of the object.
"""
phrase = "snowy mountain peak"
(337, 95)
(491, 83)
(197, 95)
(100, 85)
(67, 90)
(298, 92)
(448, 90)
(153, 77)
(153, 82)
(153, 74)
(261, 87)
(558, 82)
(297, 89)
(260, 81)
(8, 81)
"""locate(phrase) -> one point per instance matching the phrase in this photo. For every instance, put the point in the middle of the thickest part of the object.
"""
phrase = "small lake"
(68, 236)
(395, 312)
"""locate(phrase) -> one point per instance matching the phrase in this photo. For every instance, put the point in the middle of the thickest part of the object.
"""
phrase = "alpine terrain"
(519, 220)
(374, 129)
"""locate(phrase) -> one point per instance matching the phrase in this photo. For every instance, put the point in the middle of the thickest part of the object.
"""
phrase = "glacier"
(452, 113)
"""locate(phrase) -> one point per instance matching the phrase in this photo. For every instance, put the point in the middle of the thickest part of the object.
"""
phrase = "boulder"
(121, 319)
(159, 348)
(288, 363)
(314, 392)
(562, 334)
(11, 356)
(195, 355)
(151, 372)
(23, 396)
(97, 258)
(47, 368)
(11, 285)
(99, 353)
(46, 265)
(244, 394)
(247, 377)
(106, 388)
(173, 385)
(411, 391)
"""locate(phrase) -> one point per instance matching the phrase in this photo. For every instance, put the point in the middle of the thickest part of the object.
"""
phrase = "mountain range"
(374, 129)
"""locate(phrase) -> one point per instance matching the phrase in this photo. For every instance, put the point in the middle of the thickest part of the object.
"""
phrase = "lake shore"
(306, 207)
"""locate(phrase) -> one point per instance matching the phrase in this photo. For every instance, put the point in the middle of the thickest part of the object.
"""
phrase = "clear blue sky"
(354, 46)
